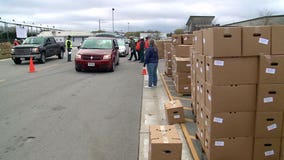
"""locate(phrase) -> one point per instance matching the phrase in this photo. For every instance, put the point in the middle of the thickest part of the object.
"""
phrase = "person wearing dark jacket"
(151, 61)
(142, 49)
(132, 48)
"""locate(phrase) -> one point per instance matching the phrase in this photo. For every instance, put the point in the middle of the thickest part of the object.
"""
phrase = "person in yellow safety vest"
(68, 46)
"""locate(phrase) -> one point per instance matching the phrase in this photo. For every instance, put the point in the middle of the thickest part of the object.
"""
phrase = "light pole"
(128, 27)
(112, 19)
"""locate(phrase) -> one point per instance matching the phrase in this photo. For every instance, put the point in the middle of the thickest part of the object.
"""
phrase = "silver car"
(123, 47)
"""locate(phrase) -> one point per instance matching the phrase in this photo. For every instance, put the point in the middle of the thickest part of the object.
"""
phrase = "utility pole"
(99, 24)
(112, 19)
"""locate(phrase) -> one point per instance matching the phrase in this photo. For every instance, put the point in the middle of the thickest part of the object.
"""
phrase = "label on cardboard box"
(206, 123)
(270, 70)
(207, 68)
(201, 70)
(268, 99)
(269, 153)
(177, 116)
(263, 41)
(186, 88)
(203, 40)
(218, 120)
(188, 65)
(271, 127)
(201, 114)
(195, 38)
(198, 88)
(185, 38)
(174, 40)
(209, 97)
(219, 143)
(197, 65)
(218, 63)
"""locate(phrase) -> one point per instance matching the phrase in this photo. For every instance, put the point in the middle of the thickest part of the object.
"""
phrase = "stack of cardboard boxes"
(234, 99)
(181, 66)
(168, 52)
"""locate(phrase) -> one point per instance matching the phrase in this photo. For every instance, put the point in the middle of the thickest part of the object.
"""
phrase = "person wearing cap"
(68, 46)
(151, 61)
(142, 49)
(133, 49)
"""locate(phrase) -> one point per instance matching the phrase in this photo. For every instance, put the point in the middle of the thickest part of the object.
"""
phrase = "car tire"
(42, 58)
(77, 69)
(17, 61)
(61, 54)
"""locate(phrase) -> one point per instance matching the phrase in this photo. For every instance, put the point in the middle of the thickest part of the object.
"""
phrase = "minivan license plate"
(91, 64)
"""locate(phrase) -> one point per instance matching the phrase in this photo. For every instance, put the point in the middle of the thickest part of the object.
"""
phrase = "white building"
(60, 36)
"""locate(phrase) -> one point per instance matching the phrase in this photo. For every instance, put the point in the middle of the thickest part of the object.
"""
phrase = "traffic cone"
(32, 67)
(144, 71)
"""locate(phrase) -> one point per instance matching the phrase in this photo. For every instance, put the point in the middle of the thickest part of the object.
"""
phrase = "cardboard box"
(174, 112)
(282, 149)
(168, 50)
(200, 92)
(266, 148)
(270, 98)
(271, 69)
(182, 64)
(277, 34)
(226, 71)
(198, 41)
(183, 88)
(187, 39)
(236, 148)
(193, 97)
(256, 40)
(193, 69)
(200, 66)
(169, 71)
(222, 41)
(177, 39)
(268, 124)
(165, 143)
(230, 124)
(160, 46)
(230, 98)
(183, 51)
(182, 78)
(200, 122)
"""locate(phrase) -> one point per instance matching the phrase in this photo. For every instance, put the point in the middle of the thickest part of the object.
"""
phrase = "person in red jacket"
(147, 43)
(138, 48)
(15, 43)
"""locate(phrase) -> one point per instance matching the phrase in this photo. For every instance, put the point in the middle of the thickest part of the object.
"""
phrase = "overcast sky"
(161, 15)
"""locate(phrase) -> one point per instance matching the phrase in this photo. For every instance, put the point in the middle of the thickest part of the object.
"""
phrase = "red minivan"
(97, 53)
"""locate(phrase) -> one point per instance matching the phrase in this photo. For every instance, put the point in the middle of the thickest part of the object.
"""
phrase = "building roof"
(66, 33)
(200, 20)
(253, 19)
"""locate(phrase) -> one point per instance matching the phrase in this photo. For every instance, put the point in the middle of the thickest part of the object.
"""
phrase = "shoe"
(148, 87)
(129, 59)
(154, 86)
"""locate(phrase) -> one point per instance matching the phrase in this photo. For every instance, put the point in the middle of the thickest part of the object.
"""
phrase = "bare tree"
(265, 13)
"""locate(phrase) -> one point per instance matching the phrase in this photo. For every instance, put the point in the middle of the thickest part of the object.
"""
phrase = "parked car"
(39, 48)
(97, 53)
(123, 47)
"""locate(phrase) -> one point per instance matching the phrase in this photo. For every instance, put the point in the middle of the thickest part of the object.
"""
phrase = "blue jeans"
(152, 73)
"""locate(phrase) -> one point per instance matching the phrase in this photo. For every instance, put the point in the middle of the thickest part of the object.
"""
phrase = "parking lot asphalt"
(153, 113)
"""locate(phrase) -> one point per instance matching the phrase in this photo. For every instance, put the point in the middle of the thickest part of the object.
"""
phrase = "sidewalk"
(153, 113)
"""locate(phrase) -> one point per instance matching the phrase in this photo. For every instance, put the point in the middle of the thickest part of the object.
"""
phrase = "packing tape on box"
(164, 132)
